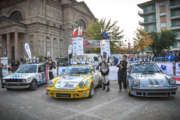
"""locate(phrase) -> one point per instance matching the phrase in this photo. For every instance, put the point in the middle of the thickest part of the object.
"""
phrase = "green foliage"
(111, 28)
(162, 40)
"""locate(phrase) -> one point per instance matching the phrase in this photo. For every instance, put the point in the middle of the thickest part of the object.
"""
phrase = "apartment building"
(161, 14)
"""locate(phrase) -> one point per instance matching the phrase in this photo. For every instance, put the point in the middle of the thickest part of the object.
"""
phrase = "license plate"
(63, 95)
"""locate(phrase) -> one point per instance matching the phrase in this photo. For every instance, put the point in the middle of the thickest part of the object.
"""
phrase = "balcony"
(175, 17)
(146, 13)
(175, 27)
(147, 22)
(175, 5)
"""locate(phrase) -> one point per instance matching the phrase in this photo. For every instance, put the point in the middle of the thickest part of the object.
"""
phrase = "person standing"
(1, 75)
(104, 69)
(122, 73)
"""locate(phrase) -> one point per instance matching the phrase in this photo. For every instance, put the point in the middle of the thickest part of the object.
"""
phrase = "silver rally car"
(147, 80)
(26, 76)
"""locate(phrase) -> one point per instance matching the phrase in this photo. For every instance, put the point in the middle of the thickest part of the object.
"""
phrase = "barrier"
(167, 68)
(113, 73)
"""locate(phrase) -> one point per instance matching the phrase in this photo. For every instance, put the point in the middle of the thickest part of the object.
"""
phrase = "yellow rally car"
(76, 82)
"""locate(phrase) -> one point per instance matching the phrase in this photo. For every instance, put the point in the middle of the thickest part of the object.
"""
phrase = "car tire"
(91, 92)
(34, 85)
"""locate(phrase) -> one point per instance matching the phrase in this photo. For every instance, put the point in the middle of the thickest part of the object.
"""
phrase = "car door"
(42, 73)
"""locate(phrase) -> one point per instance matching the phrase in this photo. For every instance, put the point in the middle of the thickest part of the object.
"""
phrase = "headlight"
(50, 84)
(136, 82)
(81, 84)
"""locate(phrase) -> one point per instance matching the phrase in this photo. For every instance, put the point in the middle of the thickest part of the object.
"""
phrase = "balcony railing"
(141, 13)
(150, 21)
(175, 4)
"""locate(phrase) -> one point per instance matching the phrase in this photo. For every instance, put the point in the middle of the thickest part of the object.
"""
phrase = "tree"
(142, 40)
(161, 41)
(111, 28)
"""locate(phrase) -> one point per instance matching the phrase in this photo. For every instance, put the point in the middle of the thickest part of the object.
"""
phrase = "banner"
(77, 46)
(4, 61)
(105, 47)
(70, 49)
(167, 68)
(28, 51)
(92, 43)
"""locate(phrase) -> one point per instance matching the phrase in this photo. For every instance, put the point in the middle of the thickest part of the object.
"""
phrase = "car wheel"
(34, 85)
(91, 93)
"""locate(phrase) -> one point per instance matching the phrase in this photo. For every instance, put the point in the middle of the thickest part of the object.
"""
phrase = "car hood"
(19, 76)
(156, 79)
(69, 82)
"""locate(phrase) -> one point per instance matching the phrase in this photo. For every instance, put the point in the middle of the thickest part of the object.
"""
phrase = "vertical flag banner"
(69, 49)
(105, 47)
(77, 46)
(28, 51)
(75, 32)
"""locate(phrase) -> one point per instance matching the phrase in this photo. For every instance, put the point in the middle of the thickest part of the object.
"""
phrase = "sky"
(123, 11)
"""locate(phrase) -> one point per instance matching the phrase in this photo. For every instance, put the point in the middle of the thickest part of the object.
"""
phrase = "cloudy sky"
(123, 11)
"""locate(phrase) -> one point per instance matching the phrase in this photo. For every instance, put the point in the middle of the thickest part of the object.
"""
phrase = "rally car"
(148, 80)
(26, 76)
(75, 82)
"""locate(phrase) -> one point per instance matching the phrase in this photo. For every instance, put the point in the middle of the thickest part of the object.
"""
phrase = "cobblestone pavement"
(115, 105)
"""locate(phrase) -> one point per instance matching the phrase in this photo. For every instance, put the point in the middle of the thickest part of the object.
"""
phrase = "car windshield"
(27, 68)
(77, 70)
(145, 68)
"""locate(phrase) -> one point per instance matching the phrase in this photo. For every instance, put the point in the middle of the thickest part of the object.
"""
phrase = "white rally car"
(26, 76)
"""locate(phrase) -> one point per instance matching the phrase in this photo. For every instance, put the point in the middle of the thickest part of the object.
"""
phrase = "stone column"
(8, 46)
(16, 46)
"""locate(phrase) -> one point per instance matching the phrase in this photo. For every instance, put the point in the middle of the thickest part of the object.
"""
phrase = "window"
(16, 15)
(82, 24)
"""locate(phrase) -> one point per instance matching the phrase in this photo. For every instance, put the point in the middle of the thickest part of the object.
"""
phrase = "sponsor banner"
(28, 51)
(4, 61)
(77, 46)
(167, 68)
(105, 47)
(178, 69)
(70, 49)
(177, 80)
(92, 43)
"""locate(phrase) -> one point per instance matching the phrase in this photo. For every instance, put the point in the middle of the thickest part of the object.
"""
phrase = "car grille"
(63, 95)
(14, 80)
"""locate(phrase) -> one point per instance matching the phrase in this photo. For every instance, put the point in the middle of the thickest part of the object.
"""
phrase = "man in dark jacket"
(122, 73)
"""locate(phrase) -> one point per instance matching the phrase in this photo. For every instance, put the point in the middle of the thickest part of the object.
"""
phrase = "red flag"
(75, 32)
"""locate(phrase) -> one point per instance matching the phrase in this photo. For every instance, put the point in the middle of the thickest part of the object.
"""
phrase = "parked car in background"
(78, 81)
(148, 80)
(26, 76)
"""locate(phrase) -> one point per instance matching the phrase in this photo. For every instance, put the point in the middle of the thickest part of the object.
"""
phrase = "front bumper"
(154, 92)
(17, 85)
(66, 93)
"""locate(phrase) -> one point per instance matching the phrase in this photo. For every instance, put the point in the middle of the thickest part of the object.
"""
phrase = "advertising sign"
(28, 51)
(105, 47)
(167, 68)
(77, 46)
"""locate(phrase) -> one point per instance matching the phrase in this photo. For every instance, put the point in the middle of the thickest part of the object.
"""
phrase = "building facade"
(46, 25)
(162, 14)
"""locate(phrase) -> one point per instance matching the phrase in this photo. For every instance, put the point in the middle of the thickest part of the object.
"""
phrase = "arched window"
(82, 24)
(16, 15)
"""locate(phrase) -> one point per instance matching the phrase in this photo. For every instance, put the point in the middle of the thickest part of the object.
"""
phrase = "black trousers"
(122, 80)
